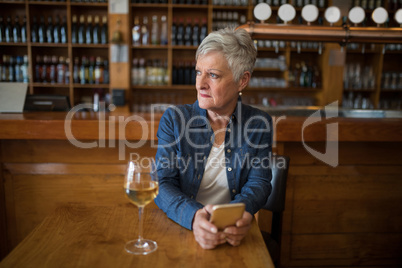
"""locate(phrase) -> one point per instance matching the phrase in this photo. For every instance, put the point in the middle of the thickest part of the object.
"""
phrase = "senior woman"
(216, 150)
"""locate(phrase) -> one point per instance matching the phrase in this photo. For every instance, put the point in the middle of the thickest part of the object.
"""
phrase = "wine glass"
(141, 187)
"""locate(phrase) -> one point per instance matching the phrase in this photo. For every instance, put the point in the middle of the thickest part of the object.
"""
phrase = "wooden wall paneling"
(55, 151)
(344, 216)
(3, 216)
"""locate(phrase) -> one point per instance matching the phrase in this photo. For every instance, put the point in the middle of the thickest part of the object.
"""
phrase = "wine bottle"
(4, 70)
(24, 30)
(196, 33)
(188, 33)
(17, 69)
(204, 30)
(56, 30)
(106, 72)
(1, 33)
(24, 69)
(136, 35)
(61, 71)
(81, 30)
(83, 71)
(104, 33)
(91, 70)
(144, 31)
(8, 31)
(164, 31)
(74, 30)
(44, 73)
(17, 30)
(11, 76)
(173, 32)
(96, 31)
(52, 70)
(38, 69)
(180, 32)
(88, 31)
(98, 73)
(155, 31)
(63, 31)
(76, 71)
(49, 30)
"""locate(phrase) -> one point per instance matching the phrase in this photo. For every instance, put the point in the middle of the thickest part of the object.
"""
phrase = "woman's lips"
(204, 95)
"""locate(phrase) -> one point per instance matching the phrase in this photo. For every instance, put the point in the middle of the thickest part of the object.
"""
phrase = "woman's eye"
(213, 75)
(197, 73)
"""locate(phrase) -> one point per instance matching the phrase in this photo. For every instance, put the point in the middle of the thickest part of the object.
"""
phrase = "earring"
(240, 93)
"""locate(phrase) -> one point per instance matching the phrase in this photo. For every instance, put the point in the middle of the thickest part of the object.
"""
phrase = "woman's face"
(216, 89)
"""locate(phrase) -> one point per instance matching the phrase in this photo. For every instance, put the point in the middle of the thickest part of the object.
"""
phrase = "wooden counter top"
(140, 126)
(80, 236)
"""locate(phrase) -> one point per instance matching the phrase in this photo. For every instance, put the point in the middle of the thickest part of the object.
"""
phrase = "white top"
(214, 188)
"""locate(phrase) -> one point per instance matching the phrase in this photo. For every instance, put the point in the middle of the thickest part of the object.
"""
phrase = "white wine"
(142, 193)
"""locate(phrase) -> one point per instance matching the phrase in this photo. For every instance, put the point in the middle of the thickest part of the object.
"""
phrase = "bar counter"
(343, 207)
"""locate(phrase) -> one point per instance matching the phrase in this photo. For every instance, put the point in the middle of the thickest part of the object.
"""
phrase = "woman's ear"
(244, 80)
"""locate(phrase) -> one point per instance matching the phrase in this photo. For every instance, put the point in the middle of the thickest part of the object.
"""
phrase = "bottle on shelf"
(1, 32)
(44, 73)
(38, 69)
(145, 31)
(76, 71)
(104, 31)
(11, 74)
(17, 30)
(42, 30)
(63, 31)
(134, 72)
(81, 30)
(24, 69)
(74, 30)
(188, 33)
(155, 31)
(136, 31)
(91, 70)
(196, 33)
(173, 32)
(61, 71)
(53, 70)
(67, 71)
(24, 30)
(17, 69)
(84, 71)
(8, 31)
(204, 29)
(180, 32)
(4, 70)
(88, 30)
(56, 30)
(106, 72)
(49, 30)
(96, 31)
(99, 71)
(164, 31)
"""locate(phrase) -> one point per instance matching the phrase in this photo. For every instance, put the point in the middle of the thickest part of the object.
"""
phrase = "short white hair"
(235, 45)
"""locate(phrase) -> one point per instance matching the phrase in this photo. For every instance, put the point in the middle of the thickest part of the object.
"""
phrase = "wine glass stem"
(140, 212)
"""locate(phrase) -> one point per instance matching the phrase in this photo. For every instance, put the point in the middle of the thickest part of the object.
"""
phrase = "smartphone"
(226, 214)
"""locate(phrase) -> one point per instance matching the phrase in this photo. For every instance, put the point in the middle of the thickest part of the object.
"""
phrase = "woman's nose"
(200, 81)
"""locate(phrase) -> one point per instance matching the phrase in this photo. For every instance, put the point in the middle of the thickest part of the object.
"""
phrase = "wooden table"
(82, 236)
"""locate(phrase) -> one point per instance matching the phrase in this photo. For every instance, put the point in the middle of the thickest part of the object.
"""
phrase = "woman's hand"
(205, 233)
(234, 234)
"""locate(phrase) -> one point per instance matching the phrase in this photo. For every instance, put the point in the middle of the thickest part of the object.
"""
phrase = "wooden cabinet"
(271, 85)
(44, 57)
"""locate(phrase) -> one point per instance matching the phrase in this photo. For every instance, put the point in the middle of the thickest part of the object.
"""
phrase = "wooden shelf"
(91, 86)
(55, 85)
